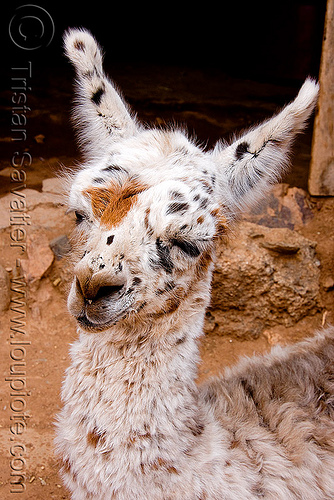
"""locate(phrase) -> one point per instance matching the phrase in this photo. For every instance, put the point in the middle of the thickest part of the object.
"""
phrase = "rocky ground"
(273, 283)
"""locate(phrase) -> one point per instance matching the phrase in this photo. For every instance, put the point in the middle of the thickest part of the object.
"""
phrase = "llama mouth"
(101, 315)
(90, 326)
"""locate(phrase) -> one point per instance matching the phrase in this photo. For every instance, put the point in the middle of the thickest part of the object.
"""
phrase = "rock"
(32, 200)
(35, 198)
(281, 247)
(50, 218)
(53, 185)
(263, 277)
(328, 283)
(60, 246)
(40, 256)
(4, 289)
(284, 206)
(283, 241)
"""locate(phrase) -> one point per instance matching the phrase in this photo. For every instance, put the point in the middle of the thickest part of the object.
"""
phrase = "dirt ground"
(214, 106)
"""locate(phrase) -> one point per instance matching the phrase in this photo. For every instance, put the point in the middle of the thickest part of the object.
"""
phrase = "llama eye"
(79, 217)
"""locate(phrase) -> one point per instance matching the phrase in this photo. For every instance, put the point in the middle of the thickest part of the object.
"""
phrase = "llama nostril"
(78, 285)
(105, 292)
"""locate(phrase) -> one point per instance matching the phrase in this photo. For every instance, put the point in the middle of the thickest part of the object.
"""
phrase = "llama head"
(150, 203)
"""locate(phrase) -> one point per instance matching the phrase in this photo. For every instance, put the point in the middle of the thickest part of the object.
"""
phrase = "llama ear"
(100, 114)
(259, 158)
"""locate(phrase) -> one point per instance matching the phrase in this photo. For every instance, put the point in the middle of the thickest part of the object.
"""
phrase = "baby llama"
(150, 205)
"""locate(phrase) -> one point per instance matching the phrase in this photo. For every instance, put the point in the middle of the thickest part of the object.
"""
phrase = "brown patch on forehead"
(111, 204)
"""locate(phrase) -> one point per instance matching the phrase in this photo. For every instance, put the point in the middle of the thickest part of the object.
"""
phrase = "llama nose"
(94, 286)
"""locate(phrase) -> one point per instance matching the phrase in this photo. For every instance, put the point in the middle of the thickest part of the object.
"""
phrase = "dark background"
(262, 40)
(218, 67)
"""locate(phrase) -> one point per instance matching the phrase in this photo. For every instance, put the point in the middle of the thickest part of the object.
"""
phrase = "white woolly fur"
(150, 205)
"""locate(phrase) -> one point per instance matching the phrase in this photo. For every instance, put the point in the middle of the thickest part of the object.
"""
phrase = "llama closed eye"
(188, 247)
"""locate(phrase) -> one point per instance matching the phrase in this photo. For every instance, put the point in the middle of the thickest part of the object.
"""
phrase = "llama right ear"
(100, 114)
(257, 159)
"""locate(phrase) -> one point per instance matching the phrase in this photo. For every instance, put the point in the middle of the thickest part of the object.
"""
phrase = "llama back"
(279, 411)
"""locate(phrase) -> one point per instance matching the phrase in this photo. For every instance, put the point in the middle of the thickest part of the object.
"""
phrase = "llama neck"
(135, 407)
(144, 388)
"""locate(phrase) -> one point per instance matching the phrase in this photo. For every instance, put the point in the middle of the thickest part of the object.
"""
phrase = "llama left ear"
(256, 160)
(100, 114)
